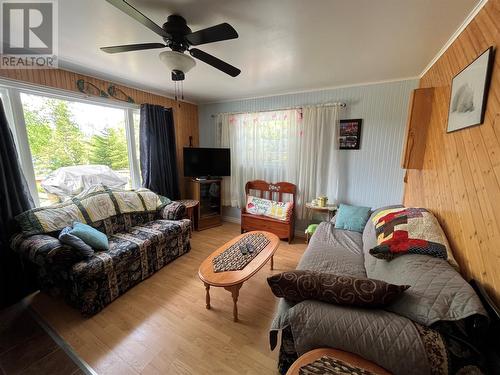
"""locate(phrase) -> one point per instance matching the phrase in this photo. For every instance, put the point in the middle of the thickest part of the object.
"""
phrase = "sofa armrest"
(44, 250)
(173, 211)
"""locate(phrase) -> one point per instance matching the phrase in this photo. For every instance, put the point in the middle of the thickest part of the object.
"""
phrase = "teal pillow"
(91, 236)
(352, 217)
(76, 243)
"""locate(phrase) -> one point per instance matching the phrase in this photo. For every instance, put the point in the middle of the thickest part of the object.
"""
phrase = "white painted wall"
(371, 176)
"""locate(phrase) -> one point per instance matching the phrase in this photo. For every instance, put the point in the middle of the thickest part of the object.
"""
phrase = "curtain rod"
(335, 104)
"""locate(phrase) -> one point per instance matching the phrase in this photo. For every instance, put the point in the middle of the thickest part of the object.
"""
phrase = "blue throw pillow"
(352, 217)
(90, 236)
(76, 243)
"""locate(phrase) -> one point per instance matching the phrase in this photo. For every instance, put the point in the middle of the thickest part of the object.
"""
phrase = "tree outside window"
(65, 133)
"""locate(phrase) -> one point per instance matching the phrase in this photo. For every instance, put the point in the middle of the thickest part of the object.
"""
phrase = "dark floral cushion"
(45, 250)
(297, 286)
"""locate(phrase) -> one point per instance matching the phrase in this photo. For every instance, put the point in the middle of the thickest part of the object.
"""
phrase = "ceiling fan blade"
(223, 31)
(132, 47)
(215, 62)
(138, 16)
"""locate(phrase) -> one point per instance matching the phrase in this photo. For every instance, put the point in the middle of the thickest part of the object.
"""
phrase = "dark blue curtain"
(157, 151)
(16, 278)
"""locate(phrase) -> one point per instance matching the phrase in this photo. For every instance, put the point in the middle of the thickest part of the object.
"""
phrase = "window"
(55, 131)
(267, 136)
(263, 146)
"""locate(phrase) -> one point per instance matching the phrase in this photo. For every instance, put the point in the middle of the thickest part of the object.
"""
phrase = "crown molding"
(327, 88)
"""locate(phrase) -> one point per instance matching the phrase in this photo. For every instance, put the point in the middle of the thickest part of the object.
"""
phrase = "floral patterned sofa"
(145, 231)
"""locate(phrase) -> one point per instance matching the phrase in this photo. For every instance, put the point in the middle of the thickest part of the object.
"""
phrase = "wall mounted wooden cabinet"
(419, 114)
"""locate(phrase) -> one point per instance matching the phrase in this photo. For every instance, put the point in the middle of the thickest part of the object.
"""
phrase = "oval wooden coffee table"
(233, 280)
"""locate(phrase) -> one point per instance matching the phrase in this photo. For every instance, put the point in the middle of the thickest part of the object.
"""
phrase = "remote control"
(250, 248)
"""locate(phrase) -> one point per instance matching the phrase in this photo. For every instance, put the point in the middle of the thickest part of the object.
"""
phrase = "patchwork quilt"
(409, 231)
(91, 206)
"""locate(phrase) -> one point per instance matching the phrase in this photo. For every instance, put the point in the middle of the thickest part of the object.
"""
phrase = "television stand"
(208, 192)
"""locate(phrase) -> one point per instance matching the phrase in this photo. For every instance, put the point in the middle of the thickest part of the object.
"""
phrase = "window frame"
(14, 109)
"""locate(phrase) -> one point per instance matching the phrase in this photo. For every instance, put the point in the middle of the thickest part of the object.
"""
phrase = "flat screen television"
(204, 162)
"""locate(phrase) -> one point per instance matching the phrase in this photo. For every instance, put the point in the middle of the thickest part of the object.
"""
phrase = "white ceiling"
(283, 46)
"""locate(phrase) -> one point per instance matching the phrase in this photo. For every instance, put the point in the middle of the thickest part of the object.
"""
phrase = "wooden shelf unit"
(419, 114)
(208, 193)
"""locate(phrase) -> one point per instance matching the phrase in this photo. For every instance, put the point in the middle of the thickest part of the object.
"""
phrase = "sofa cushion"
(352, 217)
(132, 257)
(45, 251)
(298, 286)
(334, 250)
(139, 252)
(437, 292)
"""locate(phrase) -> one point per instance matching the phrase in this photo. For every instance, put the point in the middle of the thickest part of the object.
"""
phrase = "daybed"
(145, 232)
(426, 331)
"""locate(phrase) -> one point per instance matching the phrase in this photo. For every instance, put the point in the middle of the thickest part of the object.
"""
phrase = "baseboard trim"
(300, 233)
(231, 219)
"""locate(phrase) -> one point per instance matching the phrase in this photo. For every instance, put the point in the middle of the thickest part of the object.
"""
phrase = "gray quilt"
(388, 338)
(437, 292)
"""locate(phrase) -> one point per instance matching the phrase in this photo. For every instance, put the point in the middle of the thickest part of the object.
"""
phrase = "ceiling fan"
(179, 38)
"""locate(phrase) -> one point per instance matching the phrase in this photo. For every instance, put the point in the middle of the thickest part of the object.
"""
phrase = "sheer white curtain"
(318, 164)
(296, 146)
(263, 147)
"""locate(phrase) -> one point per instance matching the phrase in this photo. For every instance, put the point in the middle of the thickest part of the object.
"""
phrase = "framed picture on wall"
(469, 93)
(350, 134)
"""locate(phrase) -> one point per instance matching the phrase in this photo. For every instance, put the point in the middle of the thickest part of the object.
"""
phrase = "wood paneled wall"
(185, 114)
(460, 179)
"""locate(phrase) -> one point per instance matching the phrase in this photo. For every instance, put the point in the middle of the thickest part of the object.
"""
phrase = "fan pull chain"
(182, 90)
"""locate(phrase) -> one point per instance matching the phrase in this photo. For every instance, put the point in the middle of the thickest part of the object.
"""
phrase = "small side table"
(349, 358)
(191, 211)
(329, 209)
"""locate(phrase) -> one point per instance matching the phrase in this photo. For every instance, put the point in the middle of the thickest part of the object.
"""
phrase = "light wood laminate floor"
(161, 326)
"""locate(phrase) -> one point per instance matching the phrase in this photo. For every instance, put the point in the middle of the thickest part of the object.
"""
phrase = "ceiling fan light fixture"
(178, 37)
(177, 61)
